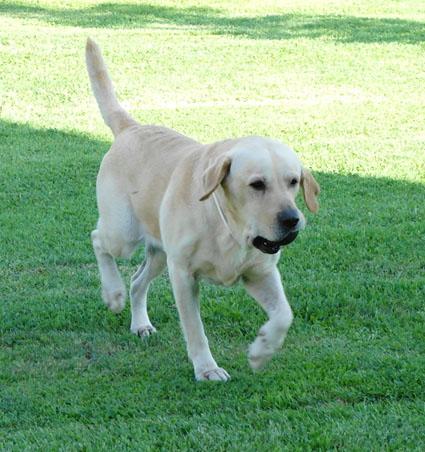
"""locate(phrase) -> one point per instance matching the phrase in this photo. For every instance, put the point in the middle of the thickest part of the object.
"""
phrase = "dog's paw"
(114, 299)
(260, 353)
(267, 343)
(216, 374)
(144, 331)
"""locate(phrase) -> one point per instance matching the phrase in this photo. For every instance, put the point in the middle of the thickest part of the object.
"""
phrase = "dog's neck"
(224, 218)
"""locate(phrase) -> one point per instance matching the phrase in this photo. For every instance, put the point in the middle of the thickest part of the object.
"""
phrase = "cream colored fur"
(155, 185)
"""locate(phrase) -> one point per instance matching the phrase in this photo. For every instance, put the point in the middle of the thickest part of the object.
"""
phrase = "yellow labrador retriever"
(219, 211)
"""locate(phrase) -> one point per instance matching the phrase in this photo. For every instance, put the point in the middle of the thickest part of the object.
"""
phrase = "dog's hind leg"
(152, 267)
(116, 239)
(113, 288)
(118, 234)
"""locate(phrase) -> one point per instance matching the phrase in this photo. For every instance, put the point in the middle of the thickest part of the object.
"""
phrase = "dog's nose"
(288, 218)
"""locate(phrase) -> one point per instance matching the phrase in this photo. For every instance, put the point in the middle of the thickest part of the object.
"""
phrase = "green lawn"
(340, 81)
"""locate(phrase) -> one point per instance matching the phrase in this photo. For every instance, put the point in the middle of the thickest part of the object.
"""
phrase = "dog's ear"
(214, 175)
(311, 190)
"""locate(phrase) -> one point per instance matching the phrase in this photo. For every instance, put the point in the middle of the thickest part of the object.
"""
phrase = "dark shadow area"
(283, 26)
(355, 278)
(362, 257)
(47, 193)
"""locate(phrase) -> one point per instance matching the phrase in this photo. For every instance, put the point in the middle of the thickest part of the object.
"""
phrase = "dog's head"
(260, 178)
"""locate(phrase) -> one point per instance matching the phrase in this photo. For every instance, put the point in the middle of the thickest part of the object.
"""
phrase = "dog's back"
(141, 156)
(140, 164)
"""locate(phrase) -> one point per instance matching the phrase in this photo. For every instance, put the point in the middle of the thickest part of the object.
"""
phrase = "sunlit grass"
(341, 82)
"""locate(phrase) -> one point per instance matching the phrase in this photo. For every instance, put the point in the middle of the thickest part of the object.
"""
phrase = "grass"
(342, 82)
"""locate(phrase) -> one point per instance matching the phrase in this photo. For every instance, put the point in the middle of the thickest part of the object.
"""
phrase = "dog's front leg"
(268, 292)
(186, 291)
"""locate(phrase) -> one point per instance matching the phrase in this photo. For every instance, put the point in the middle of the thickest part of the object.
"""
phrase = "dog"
(219, 212)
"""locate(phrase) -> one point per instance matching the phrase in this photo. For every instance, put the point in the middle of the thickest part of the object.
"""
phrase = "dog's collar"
(223, 218)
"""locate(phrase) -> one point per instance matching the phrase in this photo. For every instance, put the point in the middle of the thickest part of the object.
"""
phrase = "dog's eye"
(294, 182)
(258, 185)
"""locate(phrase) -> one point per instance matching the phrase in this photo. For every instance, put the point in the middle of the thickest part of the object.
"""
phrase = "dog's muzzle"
(269, 247)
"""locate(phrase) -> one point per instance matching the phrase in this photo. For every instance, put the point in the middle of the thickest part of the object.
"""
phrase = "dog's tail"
(113, 113)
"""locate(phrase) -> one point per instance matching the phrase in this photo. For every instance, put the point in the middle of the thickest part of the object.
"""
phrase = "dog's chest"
(218, 276)
(229, 268)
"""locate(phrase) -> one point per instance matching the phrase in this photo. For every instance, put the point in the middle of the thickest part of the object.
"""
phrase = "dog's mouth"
(269, 247)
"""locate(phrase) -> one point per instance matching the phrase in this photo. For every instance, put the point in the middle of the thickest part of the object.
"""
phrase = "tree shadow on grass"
(283, 26)
(365, 241)
(48, 205)
(360, 263)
